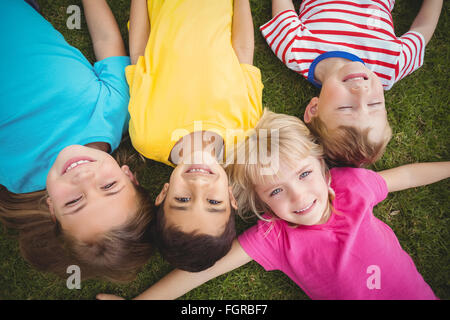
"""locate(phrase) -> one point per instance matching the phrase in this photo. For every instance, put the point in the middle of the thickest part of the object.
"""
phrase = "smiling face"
(351, 96)
(198, 198)
(89, 193)
(298, 196)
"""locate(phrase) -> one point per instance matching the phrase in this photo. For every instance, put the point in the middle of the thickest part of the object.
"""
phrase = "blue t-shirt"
(51, 97)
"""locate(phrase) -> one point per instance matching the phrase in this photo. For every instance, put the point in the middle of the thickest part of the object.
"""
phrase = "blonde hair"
(116, 256)
(293, 141)
(348, 146)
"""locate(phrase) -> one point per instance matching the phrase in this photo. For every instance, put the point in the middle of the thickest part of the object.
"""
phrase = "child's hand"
(104, 296)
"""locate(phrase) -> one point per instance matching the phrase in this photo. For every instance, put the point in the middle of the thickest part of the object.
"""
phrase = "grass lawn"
(418, 110)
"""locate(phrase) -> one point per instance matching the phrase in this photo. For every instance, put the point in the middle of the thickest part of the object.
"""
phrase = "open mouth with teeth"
(355, 77)
(306, 209)
(199, 169)
(75, 162)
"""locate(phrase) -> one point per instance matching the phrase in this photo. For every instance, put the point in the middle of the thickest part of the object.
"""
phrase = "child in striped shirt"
(350, 51)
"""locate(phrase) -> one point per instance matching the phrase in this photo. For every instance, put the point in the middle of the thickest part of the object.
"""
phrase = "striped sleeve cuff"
(413, 51)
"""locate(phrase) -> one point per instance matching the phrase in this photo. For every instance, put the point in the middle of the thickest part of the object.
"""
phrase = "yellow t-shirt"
(190, 77)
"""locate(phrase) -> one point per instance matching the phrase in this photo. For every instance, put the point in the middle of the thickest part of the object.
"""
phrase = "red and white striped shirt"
(361, 27)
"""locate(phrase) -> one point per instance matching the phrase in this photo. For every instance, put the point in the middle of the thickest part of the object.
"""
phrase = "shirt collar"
(329, 54)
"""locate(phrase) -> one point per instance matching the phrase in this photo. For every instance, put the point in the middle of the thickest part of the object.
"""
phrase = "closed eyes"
(376, 104)
(74, 201)
(106, 187)
(109, 185)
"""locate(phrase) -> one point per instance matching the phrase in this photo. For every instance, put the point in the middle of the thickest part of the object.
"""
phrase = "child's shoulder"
(268, 227)
(350, 174)
(353, 178)
(358, 181)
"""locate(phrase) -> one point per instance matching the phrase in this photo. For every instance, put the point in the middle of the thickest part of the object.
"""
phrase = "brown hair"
(348, 146)
(117, 255)
(191, 251)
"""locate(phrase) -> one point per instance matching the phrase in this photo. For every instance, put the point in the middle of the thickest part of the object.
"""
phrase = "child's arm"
(178, 282)
(242, 37)
(281, 5)
(426, 20)
(102, 25)
(139, 29)
(415, 175)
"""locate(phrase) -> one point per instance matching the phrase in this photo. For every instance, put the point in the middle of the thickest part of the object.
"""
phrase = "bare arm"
(139, 29)
(179, 282)
(426, 20)
(281, 5)
(242, 37)
(415, 175)
(102, 25)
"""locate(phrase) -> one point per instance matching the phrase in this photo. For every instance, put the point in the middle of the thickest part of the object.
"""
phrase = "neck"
(195, 142)
(328, 66)
(326, 215)
(102, 146)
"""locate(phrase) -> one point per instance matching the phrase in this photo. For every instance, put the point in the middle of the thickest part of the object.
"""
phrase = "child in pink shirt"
(317, 225)
(353, 255)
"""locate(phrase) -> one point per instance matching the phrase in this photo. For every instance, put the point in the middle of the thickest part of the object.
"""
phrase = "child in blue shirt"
(60, 117)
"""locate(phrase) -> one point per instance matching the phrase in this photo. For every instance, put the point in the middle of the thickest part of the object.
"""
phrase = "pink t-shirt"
(352, 256)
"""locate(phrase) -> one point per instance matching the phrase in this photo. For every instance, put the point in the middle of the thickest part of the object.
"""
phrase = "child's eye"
(109, 185)
(344, 107)
(374, 104)
(183, 199)
(304, 174)
(275, 192)
(73, 201)
(214, 201)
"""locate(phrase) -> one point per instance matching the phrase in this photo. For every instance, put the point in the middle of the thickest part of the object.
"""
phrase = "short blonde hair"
(294, 142)
(349, 146)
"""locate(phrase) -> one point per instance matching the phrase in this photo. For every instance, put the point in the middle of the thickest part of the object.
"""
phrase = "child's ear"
(162, 195)
(232, 198)
(130, 174)
(311, 110)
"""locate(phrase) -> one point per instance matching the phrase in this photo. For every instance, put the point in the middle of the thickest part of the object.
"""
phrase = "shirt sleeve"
(262, 243)
(114, 96)
(134, 73)
(280, 32)
(254, 85)
(412, 54)
(376, 184)
(351, 183)
(111, 71)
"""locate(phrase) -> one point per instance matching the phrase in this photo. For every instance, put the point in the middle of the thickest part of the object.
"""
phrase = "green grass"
(418, 109)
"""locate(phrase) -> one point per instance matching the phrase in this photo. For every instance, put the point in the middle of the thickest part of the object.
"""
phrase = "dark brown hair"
(192, 251)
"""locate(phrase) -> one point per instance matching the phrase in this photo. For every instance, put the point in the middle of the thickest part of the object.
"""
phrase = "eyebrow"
(215, 210)
(186, 208)
(84, 204)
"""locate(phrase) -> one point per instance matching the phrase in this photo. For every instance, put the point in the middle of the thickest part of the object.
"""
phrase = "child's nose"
(296, 195)
(83, 176)
(359, 87)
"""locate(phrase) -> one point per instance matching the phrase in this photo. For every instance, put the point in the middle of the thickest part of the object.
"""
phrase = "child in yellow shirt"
(193, 89)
